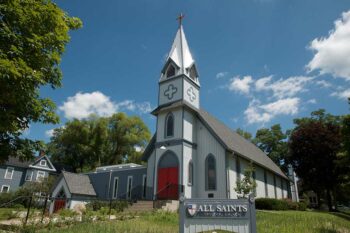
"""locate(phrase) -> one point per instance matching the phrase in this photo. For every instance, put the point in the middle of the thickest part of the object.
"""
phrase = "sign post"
(234, 215)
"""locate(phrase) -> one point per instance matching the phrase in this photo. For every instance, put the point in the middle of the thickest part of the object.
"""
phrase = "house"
(123, 181)
(193, 153)
(14, 173)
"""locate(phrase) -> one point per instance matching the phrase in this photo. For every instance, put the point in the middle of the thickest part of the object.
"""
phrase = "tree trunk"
(329, 200)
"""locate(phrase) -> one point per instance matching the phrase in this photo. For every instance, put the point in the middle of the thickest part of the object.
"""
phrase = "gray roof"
(17, 162)
(79, 184)
(238, 144)
(231, 140)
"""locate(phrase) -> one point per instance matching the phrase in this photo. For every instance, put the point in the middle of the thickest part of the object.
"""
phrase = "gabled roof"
(79, 184)
(17, 162)
(49, 165)
(228, 138)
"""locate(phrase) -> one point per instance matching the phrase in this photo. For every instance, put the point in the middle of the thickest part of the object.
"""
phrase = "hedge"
(279, 204)
(119, 206)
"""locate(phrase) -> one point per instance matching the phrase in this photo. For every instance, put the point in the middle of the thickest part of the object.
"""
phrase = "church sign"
(201, 215)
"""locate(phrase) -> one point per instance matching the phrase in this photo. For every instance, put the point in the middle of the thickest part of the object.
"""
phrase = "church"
(192, 153)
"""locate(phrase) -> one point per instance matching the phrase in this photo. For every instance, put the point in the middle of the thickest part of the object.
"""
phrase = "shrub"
(67, 213)
(118, 206)
(279, 204)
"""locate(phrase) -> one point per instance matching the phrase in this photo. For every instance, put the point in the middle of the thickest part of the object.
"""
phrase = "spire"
(180, 54)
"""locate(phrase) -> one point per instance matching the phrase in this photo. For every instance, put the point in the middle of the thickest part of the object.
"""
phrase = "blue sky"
(261, 62)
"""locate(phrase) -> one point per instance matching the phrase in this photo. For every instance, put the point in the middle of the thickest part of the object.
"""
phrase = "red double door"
(59, 204)
(168, 183)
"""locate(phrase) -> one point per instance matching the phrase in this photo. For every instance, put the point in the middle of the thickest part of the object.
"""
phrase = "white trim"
(7, 186)
(42, 168)
(31, 176)
(37, 175)
(115, 189)
(127, 187)
(7, 171)
(45, 163)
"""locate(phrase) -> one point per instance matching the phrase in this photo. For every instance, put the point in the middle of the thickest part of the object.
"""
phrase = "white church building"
(193, 153)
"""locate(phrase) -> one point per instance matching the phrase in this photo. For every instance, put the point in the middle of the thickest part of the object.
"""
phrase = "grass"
(267, 222)
(7, 213)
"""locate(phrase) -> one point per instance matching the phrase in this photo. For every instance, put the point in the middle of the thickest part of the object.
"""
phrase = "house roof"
(79, 184)
(17, 162)
(231, 140)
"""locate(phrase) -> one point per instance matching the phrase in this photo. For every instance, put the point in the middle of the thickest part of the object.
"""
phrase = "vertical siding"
(187, 156)
(260, 188)
(278, 187)
(189, 126)
(232, 175)
(207, 144)
(150, 175)
(270, 186)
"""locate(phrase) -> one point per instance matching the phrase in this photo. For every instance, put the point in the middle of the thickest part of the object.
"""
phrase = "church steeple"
(179, 60)
(179, 77)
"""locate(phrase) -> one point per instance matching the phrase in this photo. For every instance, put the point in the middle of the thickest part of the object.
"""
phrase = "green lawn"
(267, 222)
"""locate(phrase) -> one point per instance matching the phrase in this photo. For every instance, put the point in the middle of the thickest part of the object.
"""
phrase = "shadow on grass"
(325, 230)
(341, 215)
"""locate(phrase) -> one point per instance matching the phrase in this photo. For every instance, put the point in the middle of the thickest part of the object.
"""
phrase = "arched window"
(210, 170)
(169, 125)
(193, 73)
(170, 71)
(190, 173)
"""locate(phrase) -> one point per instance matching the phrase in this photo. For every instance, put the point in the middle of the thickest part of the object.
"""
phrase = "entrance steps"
(140, 206)
(171, 206)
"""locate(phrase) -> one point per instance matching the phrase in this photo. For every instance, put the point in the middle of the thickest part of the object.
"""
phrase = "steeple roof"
(180, 52)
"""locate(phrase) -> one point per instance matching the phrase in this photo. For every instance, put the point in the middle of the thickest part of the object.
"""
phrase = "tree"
(85, 144)
(314, 144)
(247, 185)
(273, 142)
(244, 134)
(33, 35)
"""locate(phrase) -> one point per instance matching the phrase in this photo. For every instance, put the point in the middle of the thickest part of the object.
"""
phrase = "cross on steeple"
(191, 94)
(180, 18)
(170, 91)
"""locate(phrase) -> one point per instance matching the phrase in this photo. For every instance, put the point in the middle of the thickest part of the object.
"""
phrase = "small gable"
(43, 162)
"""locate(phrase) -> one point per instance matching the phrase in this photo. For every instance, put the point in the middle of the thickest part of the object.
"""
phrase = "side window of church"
(169, 125)
(210, 176)
(190, 173)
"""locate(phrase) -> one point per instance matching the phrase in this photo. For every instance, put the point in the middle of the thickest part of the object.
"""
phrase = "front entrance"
(168, 177)
(59, 204)
(168, 185)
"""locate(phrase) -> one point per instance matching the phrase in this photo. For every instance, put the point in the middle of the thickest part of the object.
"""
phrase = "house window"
(210, 176)
(170, 71)
(115, 187)
(40, 175)
(169, 125)
(190, 173)
(144, 186)
(129, 187)
(29, 175)
(43, 163)
(9, 173)
(5, 188)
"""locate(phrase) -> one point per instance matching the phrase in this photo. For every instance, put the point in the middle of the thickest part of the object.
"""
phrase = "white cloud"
(283, 87)
(345, 94)
(262, 113)
(323, 83)
(84, 104)
(131, 105)
(49, 133)
(312, 101)
(332, 53)
(221, 75)
(240, 85)
(81, 105)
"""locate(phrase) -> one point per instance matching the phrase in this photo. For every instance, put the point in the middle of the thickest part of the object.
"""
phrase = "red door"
(168, 184)
(59, 204)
